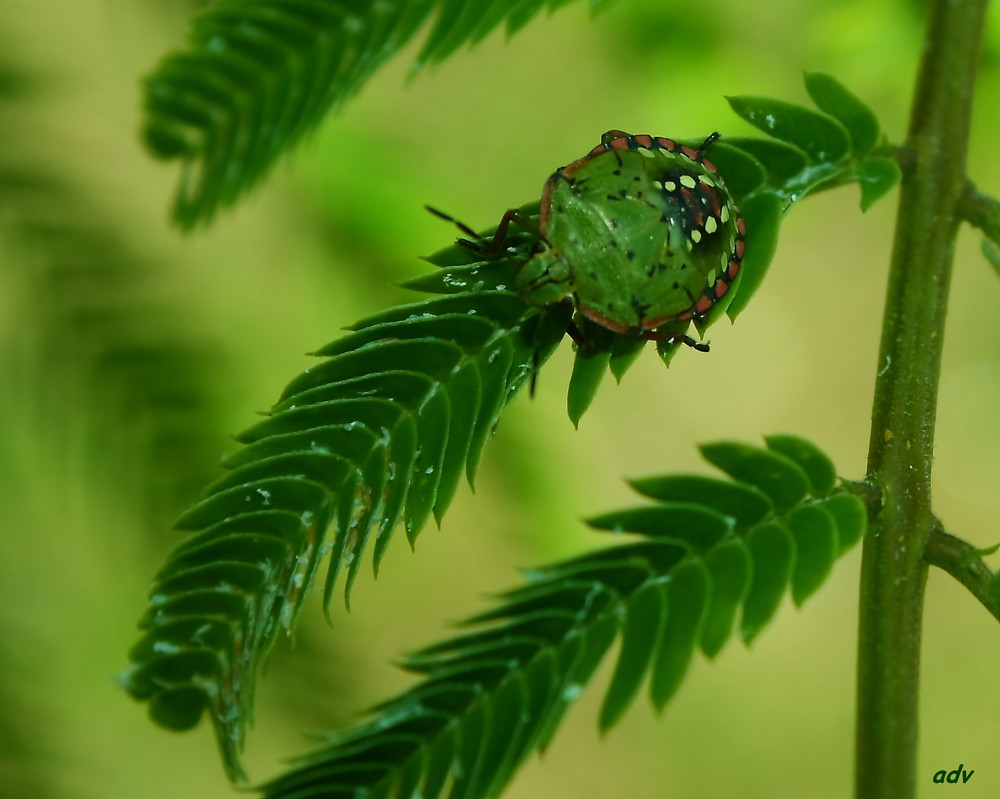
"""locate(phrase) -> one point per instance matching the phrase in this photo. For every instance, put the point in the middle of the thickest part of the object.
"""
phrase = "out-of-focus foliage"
(260, 74)
(108, 390)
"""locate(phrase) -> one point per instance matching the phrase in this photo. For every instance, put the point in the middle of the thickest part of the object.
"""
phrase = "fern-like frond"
(379, 432)
(258, 74)
(707, 551)
(809, 150)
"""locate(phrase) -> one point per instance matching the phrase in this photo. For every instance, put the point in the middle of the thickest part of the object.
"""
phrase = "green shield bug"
(641, 232)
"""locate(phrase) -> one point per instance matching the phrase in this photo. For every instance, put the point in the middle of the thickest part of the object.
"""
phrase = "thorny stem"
(893, 570)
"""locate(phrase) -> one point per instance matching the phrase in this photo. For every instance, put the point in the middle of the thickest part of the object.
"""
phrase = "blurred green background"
(129, 354)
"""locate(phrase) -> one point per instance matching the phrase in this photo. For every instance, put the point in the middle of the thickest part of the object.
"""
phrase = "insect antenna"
(475, 242)
(711, 139)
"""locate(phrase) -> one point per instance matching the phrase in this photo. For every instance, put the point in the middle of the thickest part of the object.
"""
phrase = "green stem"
(893, 571)
(964, 562)
(982, 211)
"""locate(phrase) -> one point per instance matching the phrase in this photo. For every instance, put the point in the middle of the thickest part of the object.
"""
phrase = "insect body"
(641, 232)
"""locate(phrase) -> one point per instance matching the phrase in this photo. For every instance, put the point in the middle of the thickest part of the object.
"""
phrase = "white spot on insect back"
(724, 214)
(687, 181)
(696, 236)
(711, 225)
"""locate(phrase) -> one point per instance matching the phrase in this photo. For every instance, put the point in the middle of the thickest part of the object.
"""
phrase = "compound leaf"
(730, 569)
(815, 534)
(624, 351)
(818, 468)
(744, 503)
(877, 177)
(772, 550)
(782, 162)
(258, 75)
(762, 214)
(832, 97)
(688, 594)
(991, 253)
(850, 517)
(821, 137)
(645, 619)
(776, 475)
(376, 434)
(744, 173)
(491, 695)
(588, 368)
(809, 151)
(685, 522)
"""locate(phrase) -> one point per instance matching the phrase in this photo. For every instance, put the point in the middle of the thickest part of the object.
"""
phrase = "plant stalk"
(893, 571)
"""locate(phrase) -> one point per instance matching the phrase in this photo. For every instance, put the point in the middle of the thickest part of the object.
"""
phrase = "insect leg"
(666, 337)
(576, 334)
(515, 215)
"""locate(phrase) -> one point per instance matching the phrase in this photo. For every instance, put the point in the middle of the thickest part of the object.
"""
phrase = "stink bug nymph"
(640, 232)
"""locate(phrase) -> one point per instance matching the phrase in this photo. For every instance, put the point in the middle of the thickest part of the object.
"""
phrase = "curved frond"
(259, 74)
(378, 433)
(809, 150)
(705, 551)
